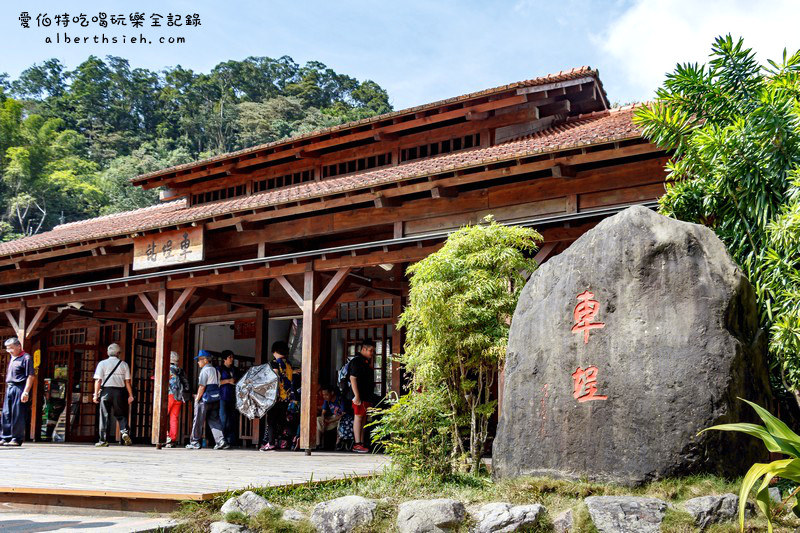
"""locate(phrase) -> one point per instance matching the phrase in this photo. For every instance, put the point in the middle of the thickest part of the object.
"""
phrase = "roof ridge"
(539, 80)
(119, 214)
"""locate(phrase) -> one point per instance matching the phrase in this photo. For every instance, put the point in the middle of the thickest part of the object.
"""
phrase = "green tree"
(114, 181)
(44, 178)
(733, 127)
(457, 322)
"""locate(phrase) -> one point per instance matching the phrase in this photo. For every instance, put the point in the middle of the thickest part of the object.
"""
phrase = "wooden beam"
(37, 318)
(544, 252)
(383, 136)
(473, 116)
(293, 294)
(338, 280)
(161, 372)
(382, 201)
(404, 255)
(444, 192)
(227, 297)
(61, 268)
(148, 305)
(181, 320)
(237, 276)
(563, 171)
(87, 296)
(182, 300)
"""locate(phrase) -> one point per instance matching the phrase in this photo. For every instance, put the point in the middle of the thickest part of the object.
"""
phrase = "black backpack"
(344, 381)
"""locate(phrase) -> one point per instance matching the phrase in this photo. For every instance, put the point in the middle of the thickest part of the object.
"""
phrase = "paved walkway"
(28, 523)
(176, 472)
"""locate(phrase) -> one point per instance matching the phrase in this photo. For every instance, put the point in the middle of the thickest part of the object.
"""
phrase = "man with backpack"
(112, 379)
(206, 404)
(362, 387)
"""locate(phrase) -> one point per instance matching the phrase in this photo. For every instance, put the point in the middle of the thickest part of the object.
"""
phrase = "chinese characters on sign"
(584, 380)
(168, 248)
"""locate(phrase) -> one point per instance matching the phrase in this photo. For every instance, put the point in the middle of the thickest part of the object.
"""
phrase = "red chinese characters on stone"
(584, 384)
(584, 314)
(584, 380)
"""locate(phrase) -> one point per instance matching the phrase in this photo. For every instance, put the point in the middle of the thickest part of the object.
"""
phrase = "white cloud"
(650, 37)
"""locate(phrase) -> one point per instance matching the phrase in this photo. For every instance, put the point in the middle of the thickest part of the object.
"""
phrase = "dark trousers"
(227, 415)
(276, 422)
(15, 413)
(113, 406)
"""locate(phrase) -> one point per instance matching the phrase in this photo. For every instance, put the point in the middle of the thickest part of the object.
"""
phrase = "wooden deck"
(70, 473)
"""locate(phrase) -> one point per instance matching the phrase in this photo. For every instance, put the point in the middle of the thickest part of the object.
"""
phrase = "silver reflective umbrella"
(257, 391)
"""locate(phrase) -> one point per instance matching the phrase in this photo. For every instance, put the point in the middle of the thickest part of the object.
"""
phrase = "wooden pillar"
(261, 358)
(312, 335)
(161, 384)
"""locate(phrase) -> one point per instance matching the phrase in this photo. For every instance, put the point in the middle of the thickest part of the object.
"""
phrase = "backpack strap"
(111, 374)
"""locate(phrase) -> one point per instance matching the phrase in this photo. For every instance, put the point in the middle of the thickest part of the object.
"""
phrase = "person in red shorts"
(362, 383)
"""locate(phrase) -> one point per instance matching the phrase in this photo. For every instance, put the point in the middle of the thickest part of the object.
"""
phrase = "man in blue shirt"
(227, 396)
(16, 407)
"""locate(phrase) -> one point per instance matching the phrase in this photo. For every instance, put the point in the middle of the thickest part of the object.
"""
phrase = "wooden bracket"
(182, 300)
(148, 305)
(37, 318)
(293, 294)
(333, 286)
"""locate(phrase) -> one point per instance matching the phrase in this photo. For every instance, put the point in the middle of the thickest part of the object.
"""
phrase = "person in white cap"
(16, 405)
(178, 390)
(112, 379)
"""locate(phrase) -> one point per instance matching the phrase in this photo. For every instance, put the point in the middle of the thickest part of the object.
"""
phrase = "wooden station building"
(307, 240)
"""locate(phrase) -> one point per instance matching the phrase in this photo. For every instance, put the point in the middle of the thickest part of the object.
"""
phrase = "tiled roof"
(595, 128)
(564, 75)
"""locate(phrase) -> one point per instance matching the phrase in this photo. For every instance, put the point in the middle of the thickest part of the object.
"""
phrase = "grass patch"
(676, 521)
(271, 520)
(393, 487)
(581, 521)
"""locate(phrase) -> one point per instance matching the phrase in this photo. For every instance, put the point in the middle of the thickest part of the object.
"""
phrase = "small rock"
(626, 514)
(421, 516)
(225, 527)
(775, 495)
(563, 522)
(343, 514)
(248, 503)
(708, 510)
(504, 518)
(290, 515)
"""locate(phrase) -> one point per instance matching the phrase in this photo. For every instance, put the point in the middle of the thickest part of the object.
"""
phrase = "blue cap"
(204, 353)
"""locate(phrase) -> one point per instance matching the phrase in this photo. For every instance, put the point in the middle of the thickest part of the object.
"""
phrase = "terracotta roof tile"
(564, 75)
(595, 128)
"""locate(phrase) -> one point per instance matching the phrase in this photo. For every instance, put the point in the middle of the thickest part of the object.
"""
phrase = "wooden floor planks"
(172, 474)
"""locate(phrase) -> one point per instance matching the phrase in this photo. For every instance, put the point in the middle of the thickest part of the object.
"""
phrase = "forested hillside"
(71, 140)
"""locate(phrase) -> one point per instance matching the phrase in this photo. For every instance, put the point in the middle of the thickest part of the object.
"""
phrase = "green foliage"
(734, 128)
(71, 140)
(416, 432)
(778, 438)
(457, 322)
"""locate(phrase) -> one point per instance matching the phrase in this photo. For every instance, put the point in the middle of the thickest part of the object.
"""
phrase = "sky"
(420, 51)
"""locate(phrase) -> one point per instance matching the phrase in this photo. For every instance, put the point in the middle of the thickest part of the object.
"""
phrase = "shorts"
(361, 410)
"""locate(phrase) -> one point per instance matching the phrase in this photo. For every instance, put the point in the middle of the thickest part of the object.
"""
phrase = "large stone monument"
(622, 348)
